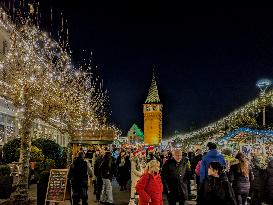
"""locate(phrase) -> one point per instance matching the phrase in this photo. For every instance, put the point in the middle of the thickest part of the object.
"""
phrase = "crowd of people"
(224, 177)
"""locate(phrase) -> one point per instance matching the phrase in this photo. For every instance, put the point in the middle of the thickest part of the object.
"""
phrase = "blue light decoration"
(263, 84)
(231, 134)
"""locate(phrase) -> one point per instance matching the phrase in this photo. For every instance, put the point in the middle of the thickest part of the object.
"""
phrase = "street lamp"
(263, 84)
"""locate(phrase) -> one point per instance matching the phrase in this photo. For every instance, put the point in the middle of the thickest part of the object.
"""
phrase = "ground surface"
(120, 197)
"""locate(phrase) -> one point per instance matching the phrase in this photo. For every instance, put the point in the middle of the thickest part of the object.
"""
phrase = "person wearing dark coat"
(189, 157)
(152, 155)
(197, 158)
(269, 182)
(107, 170)
(175, 174)
(97, 173)
(123, 168)
(216, 189)
(257, 186)
(240, 175)
(78, 174)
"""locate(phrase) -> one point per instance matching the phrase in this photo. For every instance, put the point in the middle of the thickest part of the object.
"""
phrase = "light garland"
(233, 120)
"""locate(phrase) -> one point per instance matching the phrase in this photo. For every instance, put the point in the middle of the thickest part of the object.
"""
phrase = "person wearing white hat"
(136, 172)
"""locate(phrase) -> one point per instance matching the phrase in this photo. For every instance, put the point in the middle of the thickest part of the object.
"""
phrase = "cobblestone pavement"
(120, 197)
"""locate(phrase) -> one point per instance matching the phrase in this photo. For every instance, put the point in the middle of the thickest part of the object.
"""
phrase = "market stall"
(249, 141)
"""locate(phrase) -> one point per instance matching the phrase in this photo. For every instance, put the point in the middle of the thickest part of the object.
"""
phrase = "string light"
(38, 77)
(233, 120)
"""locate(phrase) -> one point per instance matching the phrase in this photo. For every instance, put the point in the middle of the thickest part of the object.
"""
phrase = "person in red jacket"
(149, 187)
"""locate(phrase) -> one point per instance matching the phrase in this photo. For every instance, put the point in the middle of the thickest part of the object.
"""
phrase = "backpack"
(197, 168)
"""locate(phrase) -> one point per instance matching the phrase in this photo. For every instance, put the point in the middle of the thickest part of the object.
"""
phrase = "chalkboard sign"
(56, 189)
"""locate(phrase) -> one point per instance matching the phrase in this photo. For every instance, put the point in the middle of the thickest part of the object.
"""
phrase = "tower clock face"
(152, 108)
(149, 108)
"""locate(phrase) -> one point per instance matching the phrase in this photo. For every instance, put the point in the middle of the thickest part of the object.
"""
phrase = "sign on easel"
(56, 189)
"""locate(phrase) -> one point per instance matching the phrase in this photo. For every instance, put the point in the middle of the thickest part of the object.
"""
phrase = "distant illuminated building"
(135, 135)
(152, 109)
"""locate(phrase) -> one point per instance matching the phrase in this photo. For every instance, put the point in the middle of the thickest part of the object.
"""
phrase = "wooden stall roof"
(93, 136)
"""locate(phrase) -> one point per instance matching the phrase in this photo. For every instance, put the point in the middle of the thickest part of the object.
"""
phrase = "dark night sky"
(206, 61)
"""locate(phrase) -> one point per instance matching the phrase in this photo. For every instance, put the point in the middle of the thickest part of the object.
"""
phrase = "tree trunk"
(69, 147)
(21, 195)
(68, 154)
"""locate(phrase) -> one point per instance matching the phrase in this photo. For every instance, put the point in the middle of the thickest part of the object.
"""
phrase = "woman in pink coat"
(149, 187)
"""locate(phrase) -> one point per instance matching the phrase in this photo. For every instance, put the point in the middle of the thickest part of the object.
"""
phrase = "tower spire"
(153, 96)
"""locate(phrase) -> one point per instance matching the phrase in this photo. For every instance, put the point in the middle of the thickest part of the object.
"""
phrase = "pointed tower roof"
(135, 130)
(153, 96)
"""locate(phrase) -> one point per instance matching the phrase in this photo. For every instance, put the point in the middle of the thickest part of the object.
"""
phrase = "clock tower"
(152, 109)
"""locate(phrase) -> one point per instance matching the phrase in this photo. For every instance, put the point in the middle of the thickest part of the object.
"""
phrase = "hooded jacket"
(212, 156)
(150, 189)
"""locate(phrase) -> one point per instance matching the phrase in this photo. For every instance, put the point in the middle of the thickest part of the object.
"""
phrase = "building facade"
(135, 135)
(10, 126)
(152, 109)
(9, 114)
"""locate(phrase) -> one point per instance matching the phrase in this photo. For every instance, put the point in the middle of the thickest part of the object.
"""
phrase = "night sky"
(206, 61)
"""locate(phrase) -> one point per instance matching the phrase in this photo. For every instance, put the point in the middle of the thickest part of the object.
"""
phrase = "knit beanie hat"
(136, 152)
(150, 148)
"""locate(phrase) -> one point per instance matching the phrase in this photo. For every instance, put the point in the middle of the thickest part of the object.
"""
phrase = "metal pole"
(264, 116)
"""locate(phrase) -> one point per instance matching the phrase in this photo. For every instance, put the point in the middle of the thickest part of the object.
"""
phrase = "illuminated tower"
(152, 109)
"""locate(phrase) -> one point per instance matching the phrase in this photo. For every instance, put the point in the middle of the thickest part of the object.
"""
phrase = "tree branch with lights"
(37, 76)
